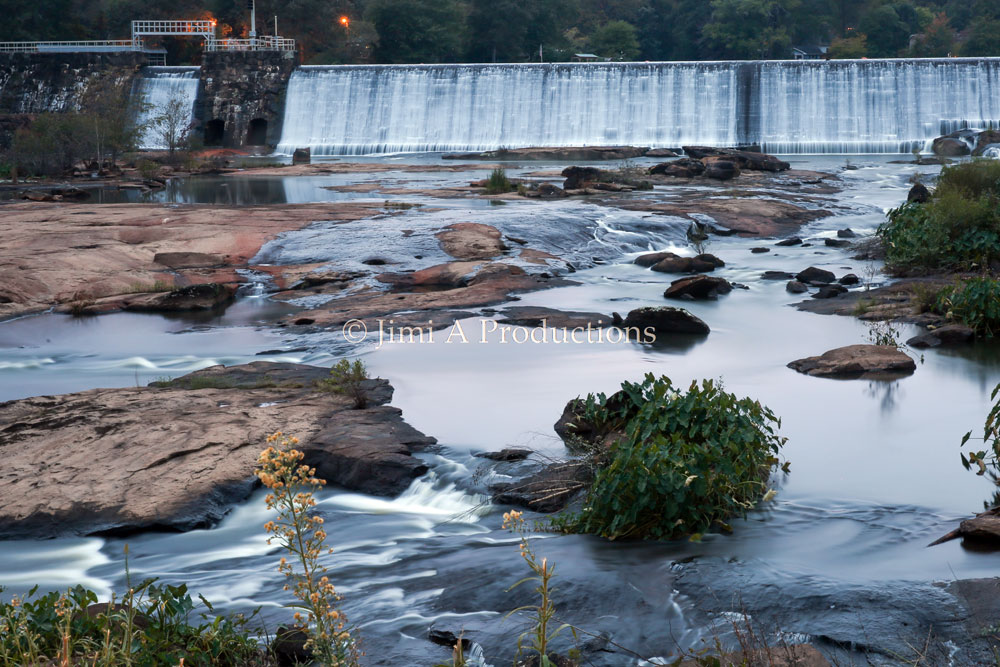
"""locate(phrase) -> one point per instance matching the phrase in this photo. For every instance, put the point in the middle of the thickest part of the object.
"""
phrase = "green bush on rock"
(677, 463)
(974, 302)
(958, 229)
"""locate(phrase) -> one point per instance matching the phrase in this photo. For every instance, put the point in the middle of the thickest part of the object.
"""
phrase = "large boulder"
(177, 455)
(548, 490)
(665, 320)
(951, 334)
(748, 160)
(918, 194)
(698, 288)
(652, 258)
(471, 241)
(207, 296)
(699, 264)
(815, 275)
(865, 361)
(986, 139)
(721, 170)
(951, 145)
(576, 177)
(682, 168)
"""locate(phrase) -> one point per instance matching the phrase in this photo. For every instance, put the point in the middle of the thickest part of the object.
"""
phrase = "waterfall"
(858, 106)
(158, 86)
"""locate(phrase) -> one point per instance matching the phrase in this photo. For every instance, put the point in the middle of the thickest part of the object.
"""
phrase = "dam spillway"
(159, 87)
(849, 106)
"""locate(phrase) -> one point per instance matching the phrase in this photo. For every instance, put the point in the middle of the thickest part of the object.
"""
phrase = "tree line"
(427, 31)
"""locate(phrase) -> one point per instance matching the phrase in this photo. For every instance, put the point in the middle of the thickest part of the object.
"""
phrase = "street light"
(346, 22)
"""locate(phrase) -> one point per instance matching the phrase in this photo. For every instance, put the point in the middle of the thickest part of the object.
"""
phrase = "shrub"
(154, 625)
(681, 463)
(991, 439)
(958, 229)
(301, 534)
(975, 302)
(498, 182)
(347, 379)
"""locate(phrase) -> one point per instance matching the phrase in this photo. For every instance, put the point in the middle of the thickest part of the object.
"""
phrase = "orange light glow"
(344, 21)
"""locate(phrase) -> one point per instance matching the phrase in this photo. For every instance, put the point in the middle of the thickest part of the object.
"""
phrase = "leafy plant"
(301, 534)
(679, 464)
(883, 332)
(347, 379)
(989, 457)
(974, 302)
(498, 183)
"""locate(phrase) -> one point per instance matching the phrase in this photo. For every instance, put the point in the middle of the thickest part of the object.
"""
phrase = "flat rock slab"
(860, 361)
(532, 316)
(178, 455)
(471, 241)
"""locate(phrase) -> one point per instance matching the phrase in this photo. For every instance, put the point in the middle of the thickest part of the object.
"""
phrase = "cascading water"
(883, 106)
(158, 87)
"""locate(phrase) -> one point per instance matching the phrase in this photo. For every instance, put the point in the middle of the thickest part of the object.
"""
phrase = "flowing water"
(840, 555)
(159, 87)
(859, 106)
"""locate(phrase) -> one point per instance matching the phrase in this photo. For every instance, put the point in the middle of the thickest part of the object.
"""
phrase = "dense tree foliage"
(414, 31)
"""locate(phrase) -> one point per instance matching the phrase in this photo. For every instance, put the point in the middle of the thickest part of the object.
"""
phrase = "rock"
(649, 259)
(665, 320)
(795, 240)
(864, 361)
(919, 194)
(471, 241)
(450, 275)
(507, 454)
(846, 233)
(984, 141)
(710, 259)
(177, 455)
(722, 170)
(660, 152)
(951, 334)
(814, 275)
(759, 251)
(950, 147)
(533, 316)
(447, 638)
(683, 168)
(776, 275)
(71, 192)
(830, 291)
(318, 278)
(289, 647)
(836, 243)
(849, 279)
(188, 260)
(983, 528)
(32, 195)
(675, 265)
(548, 490)
(749, 160)
(576, 177)
(302, 156)
(698, 287)
(550, 190)
(207, 296)
(796, 287)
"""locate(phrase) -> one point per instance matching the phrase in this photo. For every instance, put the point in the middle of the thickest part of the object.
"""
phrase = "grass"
(498, 183)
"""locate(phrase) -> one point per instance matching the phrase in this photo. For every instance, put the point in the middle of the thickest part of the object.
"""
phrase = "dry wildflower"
(292, 486)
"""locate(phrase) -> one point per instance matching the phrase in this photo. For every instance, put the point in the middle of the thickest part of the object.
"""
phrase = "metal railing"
(82, 46)
(203, 28)
(265, 43)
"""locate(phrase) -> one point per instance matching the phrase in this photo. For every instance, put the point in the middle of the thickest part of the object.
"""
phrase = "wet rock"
(847, 233)
(836, 243)
(188, 260)
(550, 190)
(471, 241)
(759, 251)
(507, 454)
(683, 168)
(796, 287)
(984, 141)
(950, 146)
(289, 647)
(451, 275)
(830, 292)
(676, 265)
(34, 195)
(548, 490)
(983, 528)
(722, 170)
(863, 361)
(576, 177)
(660, 152)
(849, 279)
(776, 275)
(711, 259)
(698, 288)
(748, 160)
(169, 456)
(192, 298)
(795, 240)
(815, 275)
(665, 320)
(302, 156)
(649, 259)
(341, 278)
(918, 194)
(784, 655)
(946, 336)
(534, 316)
(447, 638)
